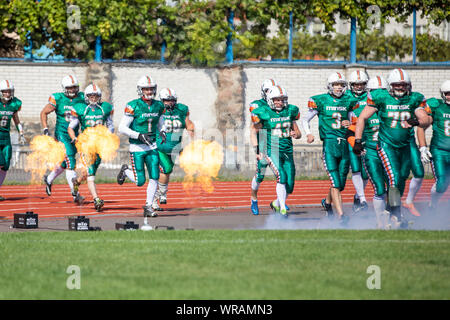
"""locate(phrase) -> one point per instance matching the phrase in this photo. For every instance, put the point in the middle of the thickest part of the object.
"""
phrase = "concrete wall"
(197, 87)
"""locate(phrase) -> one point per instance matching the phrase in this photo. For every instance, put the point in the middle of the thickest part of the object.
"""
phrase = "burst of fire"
(97, 140)
(46, 153)
(201, 161)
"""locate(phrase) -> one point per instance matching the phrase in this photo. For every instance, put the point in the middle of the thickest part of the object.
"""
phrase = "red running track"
(129, 199)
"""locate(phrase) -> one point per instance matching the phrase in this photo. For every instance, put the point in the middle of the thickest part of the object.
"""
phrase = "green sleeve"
(295, 113)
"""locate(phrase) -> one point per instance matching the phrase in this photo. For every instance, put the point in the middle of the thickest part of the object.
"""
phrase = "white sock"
(70, 174)
(414, 187)
(151, 190)
(255, 184)
(359, 185)
(54, 174)
(162, 188)
(281, 195)
(435, 196)
(2, 176)
(379, 204)
(130, 175)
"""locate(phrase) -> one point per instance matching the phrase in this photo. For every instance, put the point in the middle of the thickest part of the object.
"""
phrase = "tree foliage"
(194, 31)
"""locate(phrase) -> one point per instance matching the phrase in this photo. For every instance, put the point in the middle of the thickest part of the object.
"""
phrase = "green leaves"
(195, 31)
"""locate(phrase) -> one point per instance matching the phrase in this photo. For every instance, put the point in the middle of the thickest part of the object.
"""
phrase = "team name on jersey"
(6, 113)
(93, 117)
(397, 107)
(149, 115)
(446, 115)
(375, 121)
(280, 119)
(335, 108)
(362, 103)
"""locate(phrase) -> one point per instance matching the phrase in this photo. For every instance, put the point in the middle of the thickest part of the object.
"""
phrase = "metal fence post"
(353, 41)
(414, 35)
(229, 50)
(291, 32)
(98, 49)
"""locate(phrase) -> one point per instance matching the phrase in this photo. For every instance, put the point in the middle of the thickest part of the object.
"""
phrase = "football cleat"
(162, 199)
(274, 207)
(77, 198)
(344, 219)
(328, 208)
(148, 212)
(122, 176)
(48, 186)
(283, 213)
(254, 207)
(356, 204)
(98, 204)
(412, 209)
(155, 205)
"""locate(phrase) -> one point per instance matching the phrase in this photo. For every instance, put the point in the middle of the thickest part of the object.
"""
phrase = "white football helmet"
(266, 85)
(277, 92)
(399, 76)
(168, 94)
(377, 82)
(92, 89)
(70, 81)
(336, 77)
(146, 82)
(6, 85)
(358, 77)
(445, 87)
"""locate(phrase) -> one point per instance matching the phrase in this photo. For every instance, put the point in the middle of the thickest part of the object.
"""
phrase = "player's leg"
(166, 167)
(440, 165)
(261, 166)
(358, 181)
(151, 160)
(5, 160)
(91, 171)
(416, 182)
(278, 205)
(391, 159)
(374, 169)
(70, 161)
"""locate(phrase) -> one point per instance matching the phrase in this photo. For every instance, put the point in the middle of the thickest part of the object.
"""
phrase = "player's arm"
(109, 122)
(190, 127)
(74, 122)
(367, 112)
(19, 127)
(305, 124)
(424, 119)
(295, 132)
(254, 131)
(49, 108)
(425, 154)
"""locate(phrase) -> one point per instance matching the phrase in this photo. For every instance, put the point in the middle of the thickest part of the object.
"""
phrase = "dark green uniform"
(394, 139)
(335, 150)
(7, 110)
(91, 116)
(278, 147)
(174, 124)
(370, 160)
(261, 165)
(146, 118)
(63, 108)
(440, 142)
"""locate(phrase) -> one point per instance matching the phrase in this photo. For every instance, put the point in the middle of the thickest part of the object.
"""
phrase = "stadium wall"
(215, 101)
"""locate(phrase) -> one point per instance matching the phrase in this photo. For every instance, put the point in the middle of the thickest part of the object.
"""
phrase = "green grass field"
(225, 264)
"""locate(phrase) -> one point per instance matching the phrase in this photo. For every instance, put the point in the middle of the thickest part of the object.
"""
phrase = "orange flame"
(97, 140)
(46, 154)
(201, 161)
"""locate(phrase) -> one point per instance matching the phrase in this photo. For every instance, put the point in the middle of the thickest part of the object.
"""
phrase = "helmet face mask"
(358, 82)
(146, 88)
(336, 84)
(168, 97)
(277, 98)
(358, 88)
(399, 83)
(445, 91)
(265, 87)
(6, 91)
(92, 94)
(70, 86)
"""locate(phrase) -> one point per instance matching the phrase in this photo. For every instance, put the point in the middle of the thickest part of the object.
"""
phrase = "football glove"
(45, 131)
(145, 138)
(358, 147)
(413, 122)
(425, 154)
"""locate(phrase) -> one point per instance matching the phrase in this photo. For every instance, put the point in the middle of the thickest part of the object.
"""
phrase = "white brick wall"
(196, 87)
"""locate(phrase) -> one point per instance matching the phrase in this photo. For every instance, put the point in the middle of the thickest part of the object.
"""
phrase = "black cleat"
(48, 186)
(356, 204)
(148, 212)
(122, 176)
(328, 208)
(98, 204)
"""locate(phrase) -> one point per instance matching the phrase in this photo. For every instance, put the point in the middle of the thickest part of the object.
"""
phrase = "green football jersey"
(92, 115)
(440, 112)
(277, 126)
(7, 111)
(146, 117)
(174, 123)
(362, 97)
(372, 126)
(63, 108)
(332, 111)
(393, 112)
